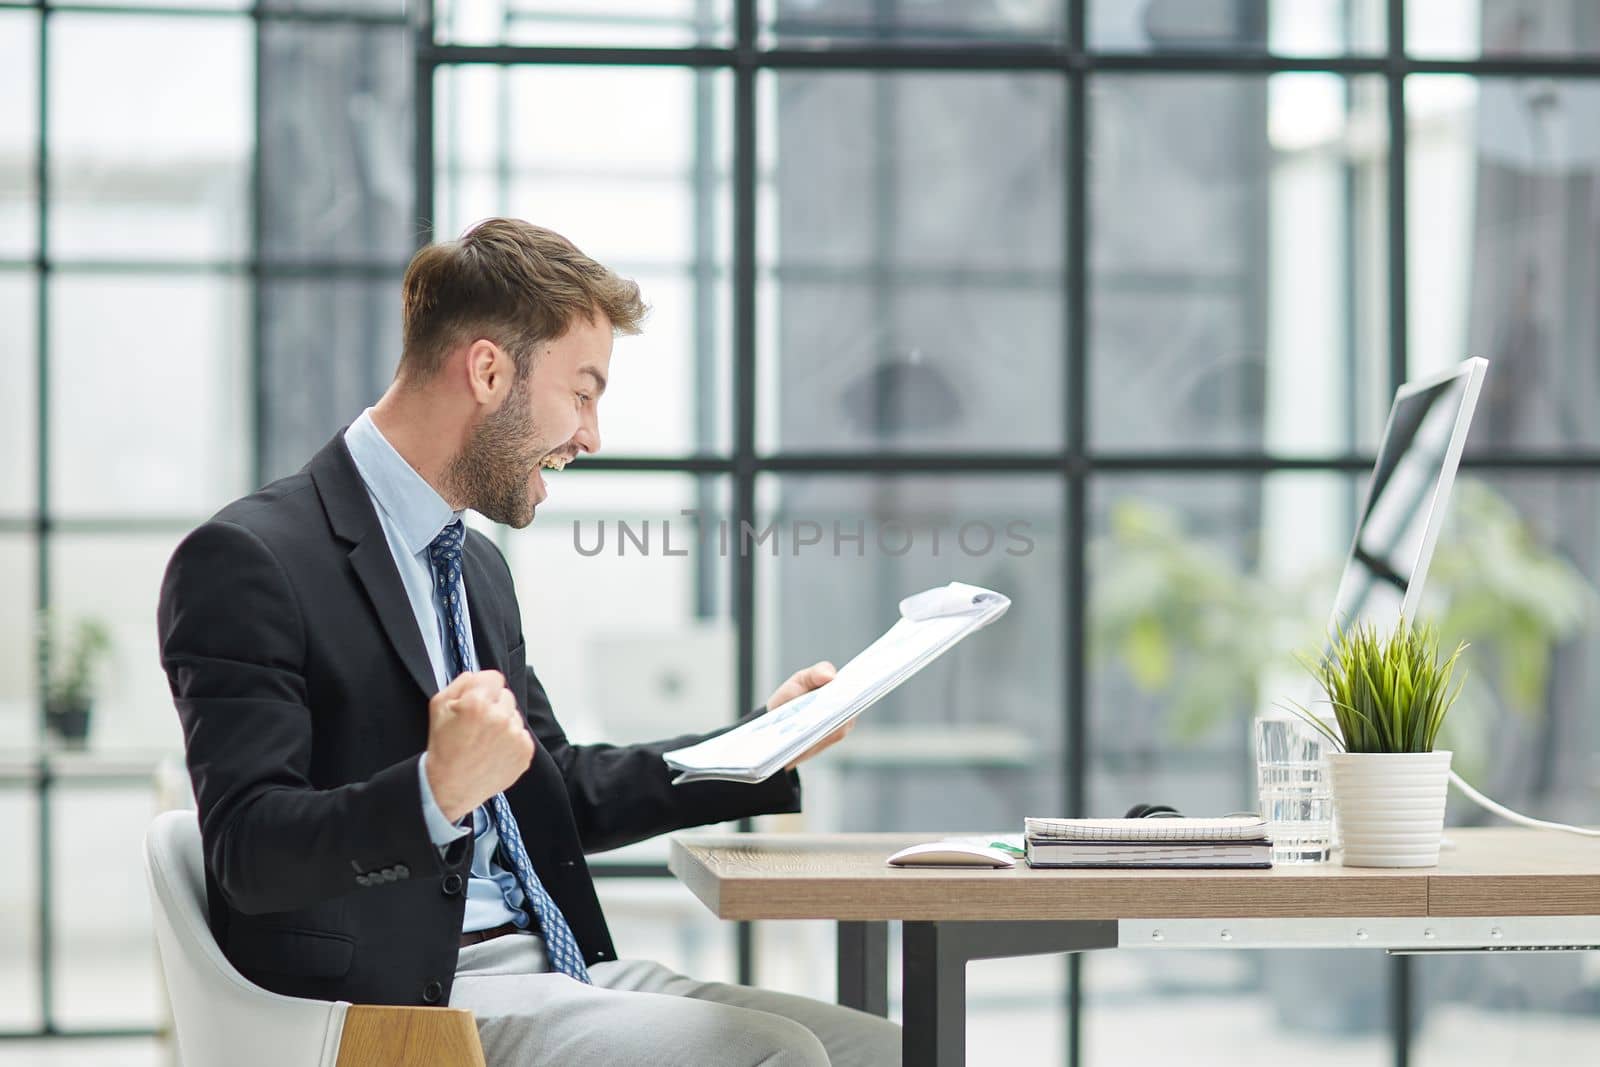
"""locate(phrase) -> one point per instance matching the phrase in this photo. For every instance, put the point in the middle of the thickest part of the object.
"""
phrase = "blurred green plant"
(1502, 591)
(1181, 618)
(1190, 626)
(1494, 584)
(75, 661)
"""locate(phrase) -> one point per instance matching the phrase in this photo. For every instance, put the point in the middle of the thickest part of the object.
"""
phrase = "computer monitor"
(1401, 517)
(1407, 499)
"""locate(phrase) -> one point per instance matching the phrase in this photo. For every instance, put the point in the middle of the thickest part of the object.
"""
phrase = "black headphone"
(1145, 811)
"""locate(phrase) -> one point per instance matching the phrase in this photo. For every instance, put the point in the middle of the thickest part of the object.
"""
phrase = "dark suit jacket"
(303, 684)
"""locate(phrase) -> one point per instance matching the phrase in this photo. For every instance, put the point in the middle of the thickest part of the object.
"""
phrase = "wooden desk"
(1493, 891)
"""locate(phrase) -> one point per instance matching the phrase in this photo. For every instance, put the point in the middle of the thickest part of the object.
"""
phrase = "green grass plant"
(1389, 692)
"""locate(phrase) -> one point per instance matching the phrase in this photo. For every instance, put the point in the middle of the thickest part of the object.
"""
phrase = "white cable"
(1506, 813)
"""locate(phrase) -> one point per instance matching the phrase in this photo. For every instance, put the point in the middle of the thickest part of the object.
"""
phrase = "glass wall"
(1097, 302)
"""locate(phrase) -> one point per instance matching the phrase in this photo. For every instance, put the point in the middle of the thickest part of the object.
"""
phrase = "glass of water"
(1296, 792)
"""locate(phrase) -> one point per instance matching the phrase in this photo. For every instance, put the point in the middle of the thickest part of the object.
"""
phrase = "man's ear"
(490, 371)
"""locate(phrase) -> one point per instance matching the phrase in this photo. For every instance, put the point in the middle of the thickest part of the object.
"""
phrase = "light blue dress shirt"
(412, 514)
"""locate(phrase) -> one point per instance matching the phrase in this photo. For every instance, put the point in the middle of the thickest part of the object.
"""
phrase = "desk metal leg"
(934, 973)
(934, 958)
(864, 966)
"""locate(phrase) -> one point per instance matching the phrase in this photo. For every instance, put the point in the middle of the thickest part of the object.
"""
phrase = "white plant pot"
(1390, 806)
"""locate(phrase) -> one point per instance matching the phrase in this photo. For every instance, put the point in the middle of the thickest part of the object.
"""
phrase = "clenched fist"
(478, 743)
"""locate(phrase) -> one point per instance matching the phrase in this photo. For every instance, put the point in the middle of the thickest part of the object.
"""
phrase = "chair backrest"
(221, 1017)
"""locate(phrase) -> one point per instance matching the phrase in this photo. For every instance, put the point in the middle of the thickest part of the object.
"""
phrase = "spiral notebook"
(1231, 828)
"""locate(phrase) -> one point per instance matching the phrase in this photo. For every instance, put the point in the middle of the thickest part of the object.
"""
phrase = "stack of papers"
(931, 622)
(1236, 841)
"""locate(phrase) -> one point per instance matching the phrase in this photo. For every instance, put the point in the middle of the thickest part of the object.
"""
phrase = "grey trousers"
(640, 1014)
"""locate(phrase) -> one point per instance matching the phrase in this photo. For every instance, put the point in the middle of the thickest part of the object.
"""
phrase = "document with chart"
(930, 623)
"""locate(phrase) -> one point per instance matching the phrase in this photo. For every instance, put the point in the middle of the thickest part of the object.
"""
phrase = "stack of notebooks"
(1236, 841)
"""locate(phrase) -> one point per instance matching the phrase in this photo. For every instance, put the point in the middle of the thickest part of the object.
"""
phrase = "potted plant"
(1389, 695)
(69, 691)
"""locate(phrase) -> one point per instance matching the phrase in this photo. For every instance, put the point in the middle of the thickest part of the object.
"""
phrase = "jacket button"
(451, 885)
(432, 992)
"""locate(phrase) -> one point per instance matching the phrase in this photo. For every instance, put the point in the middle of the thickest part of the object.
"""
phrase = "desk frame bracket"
(1408, 934)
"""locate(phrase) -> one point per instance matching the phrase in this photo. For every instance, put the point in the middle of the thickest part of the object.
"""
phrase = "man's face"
(553, 413)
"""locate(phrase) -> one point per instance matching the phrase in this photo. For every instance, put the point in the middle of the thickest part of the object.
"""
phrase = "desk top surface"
(1489, 872)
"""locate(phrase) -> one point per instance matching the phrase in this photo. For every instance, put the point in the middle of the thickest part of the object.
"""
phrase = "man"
(390, 812)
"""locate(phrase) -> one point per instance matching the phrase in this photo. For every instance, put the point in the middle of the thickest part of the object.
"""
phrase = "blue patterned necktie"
(445, 552)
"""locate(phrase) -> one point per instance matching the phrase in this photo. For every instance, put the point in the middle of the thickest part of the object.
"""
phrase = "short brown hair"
(512, 282)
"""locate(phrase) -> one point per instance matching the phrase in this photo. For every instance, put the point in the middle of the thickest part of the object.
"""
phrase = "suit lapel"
(481, 605)
(352, 518)
(374, 565)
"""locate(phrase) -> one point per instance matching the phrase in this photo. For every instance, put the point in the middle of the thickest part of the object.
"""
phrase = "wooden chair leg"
(377, 1035)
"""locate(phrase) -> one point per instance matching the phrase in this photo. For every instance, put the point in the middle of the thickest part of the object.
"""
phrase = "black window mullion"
(298, 16)
(744, 385)
(1395, 102)
(1075, 409)
(1007, 59)
(258, 325)
(425, 62)
(44, 916)
(1399, 969)
(703, 288)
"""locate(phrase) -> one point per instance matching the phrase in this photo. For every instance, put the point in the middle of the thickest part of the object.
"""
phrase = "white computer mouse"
(950, 854)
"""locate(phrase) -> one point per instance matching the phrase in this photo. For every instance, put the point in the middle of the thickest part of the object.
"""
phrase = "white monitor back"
(1407, 499)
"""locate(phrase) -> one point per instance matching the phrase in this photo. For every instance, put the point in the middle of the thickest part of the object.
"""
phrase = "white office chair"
(222, 1018)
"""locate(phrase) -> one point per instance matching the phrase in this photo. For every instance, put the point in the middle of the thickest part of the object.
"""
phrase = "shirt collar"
(413, 506)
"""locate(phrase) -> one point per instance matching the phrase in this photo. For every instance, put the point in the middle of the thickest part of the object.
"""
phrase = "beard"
(491, 473)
